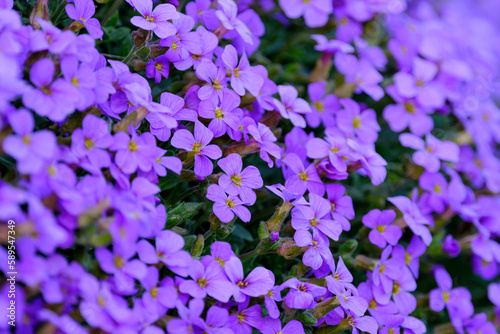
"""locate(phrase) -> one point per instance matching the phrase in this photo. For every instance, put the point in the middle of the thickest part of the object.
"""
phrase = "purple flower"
(315, 12)
(51, 98)
(257, 283)
(83, 78)
(413, 217)
(361, 73)
(437, 195)
(190, 321)
(494, 293)
(331, 46)
(419, 84)
(341, 206)
(157, 68)
(83, 12)
(291, 106)
(301, 294)
(407, 113)
(207, 280)
(341, 278)
(217, 318)
(160, 297)
(92, 140)
(273, 295)
(120, 264)
(301, 178)
(354, 123)
(168, 250)
(353, 303)
(216, 79)
(163, 162)
(224, 112)
(430, 152)
(201, 48)
(221, 252)
(155, 20)
(318, 251)
(227, 14)
(386, 271)
(243, 76)
(316, 217)
(200, 10)
(245, 318)
(237, 181)
(440, 297)
(32, 150)
(382, 232)
(225, 207)
(335, 147)
(415, 249)
(265, 139)
(198, 147)
(273, 326)
(134, 152)
(324, 107)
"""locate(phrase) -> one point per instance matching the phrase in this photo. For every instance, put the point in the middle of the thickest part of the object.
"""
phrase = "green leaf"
(242, 233)
(186, 210)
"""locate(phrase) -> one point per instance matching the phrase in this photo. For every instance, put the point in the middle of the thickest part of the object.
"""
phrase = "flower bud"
(223, 232)
(198, 246)
(274, 223)
(263, 232)
(348, 247)
(40, 10)
(143, 53)
(289, 250)
(322, 309)
(307, 319)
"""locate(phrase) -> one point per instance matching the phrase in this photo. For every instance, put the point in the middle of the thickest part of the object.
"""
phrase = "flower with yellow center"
(159, 66)
(202, 282)
(218, 113)
(241, 316)
(216, 84)
(196, 148)
(236, 178)
(438, 189)
(313, 221)
(303, 176)
(230, 204)
(75, 81)
(150, 18)
(410, 107)
(236, 72)
(26, 139)
(356, 122)
(89, 144)
(133, 146)
(381, 228)
(319, 106)
(174, 46)
(119, 262)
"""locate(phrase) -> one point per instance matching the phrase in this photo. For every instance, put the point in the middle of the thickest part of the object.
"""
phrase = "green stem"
(256, 252)
(130, 55)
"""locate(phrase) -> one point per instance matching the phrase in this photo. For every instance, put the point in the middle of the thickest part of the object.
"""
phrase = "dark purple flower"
(451, 246)
(158, 67)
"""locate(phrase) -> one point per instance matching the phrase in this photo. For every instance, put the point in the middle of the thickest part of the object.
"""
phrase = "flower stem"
(130, 55)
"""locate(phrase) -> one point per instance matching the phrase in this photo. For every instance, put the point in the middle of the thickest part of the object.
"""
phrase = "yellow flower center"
(221, 261)
(51, 170)
(420, 83)
(446, 297)
(241, 316)
(89, 144)
(158, 66)
(154, 292)
(333, 206)
(46, 90)
(382, 268)
(242, 284)
(429, 149)
(396, 288)
(381, 228)
(410, 107)
(150, 18)
(202, 282)
(314, 221)
(437, 188)
(407, 258)
(196, 57)
(216, 85)
(373, 304)
(236, 72)
(230, 203)
(356, 122)
(335, 149)
(236, 178)
(218, 113)
(27, 139)
(119, 262)
(174, 46)
(303, 175)
(302, 288)
(101, 301)
(337, 276)
(196, 148)
(75, 81)
(314, 244)
(83, 20)
(319, 106)
(133, 146)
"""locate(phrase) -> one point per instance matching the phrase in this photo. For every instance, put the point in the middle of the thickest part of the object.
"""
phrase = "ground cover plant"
(250, 166)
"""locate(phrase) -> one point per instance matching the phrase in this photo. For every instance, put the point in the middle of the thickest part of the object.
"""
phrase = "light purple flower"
(210, 280)
(291, 106)
(243, 76)
(198, 147)
(265, 139)
(227, 14)
(302, 178)
(216, 79)
(134, 152)
(237, 181)
(273, 326)
(318, 251)
(223, 112)
(430, 152)
(356, 123)
(156, 68)
(324, 106)
(257, 283)
(382, 232)
(225, 207)
(301, 294)
(155, 20)
(83, 12)
(413, 217)
(92, 140)
(315, 12)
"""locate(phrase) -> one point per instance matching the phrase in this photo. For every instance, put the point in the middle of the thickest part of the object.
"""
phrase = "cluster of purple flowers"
(91, 178)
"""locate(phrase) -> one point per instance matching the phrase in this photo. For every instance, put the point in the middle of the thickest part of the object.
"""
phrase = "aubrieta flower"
(301, 294)
(155, 20)
(318, 248)
(51, 98)
(413, 217)
(257, 283)
(245, 318)
(302, 178)
(207, 280)
(200, 10)
(82, 11)
(242, 74)
(324, 106)
(315, 12)
(273, 326)
(134, 152)
(156, 68)
(382, 232)
(224, 112)
(265, 139)
(239, 181)
(216, 79)
(198, 147)
(225, 207)
(32, 150)
(291, 106)
(92, 140)
(356, 123)
(430, 152)
(451, 246)
(228, 16)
